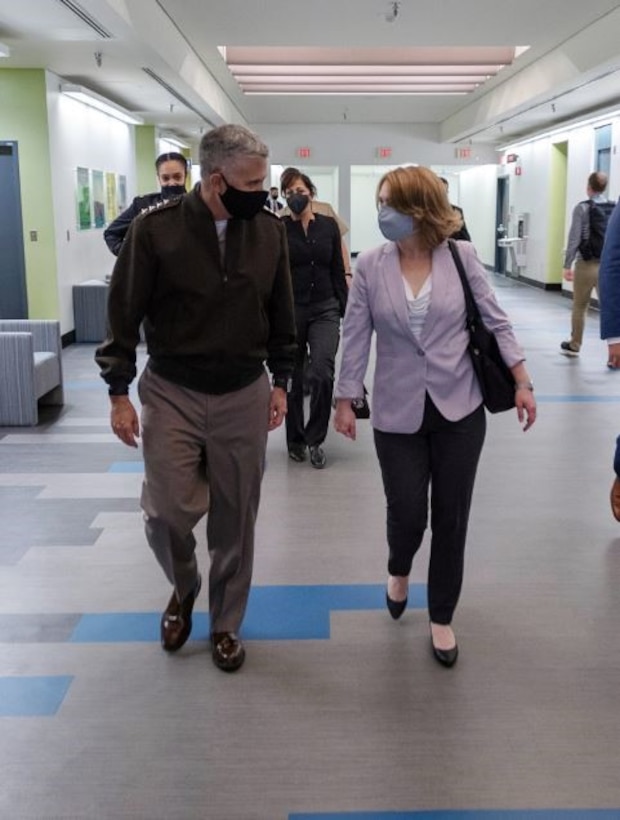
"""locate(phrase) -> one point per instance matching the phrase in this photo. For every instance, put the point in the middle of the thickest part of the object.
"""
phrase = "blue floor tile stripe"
(126, 467)
(274, 613)
(553, 399)
(469, 814)
(33, 696)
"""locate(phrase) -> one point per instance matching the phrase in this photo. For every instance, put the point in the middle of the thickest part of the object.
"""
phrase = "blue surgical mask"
(395, 225)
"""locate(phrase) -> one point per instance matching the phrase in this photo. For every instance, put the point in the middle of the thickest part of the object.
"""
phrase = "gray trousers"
(204, 452)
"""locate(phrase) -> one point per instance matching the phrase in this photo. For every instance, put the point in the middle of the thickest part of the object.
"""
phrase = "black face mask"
(297, 202)
(242, 204)
(168, 191)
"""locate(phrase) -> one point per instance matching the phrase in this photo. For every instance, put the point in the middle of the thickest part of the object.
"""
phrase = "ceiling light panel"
(281, 70)
(94, 100)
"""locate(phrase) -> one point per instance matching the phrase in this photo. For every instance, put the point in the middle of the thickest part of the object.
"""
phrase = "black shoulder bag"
(494, 376)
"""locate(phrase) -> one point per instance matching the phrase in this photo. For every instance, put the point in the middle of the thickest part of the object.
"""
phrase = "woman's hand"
(344, 420)
(526, 406)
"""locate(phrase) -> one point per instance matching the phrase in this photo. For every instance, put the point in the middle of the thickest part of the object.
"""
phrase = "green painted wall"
(146, 179)
(557, 205)
(23, 118)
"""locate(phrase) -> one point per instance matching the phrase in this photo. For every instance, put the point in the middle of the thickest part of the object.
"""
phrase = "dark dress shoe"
(317, 457)
(176, 622)
(297, 452)
(395, 608)
(446, 657)
(227, 651)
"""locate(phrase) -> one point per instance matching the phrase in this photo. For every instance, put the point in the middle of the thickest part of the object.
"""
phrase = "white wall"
(325, 181)
(614, 170)
(82, 136)
(165, 146)
(473, 189)
(478, 197)
(344, 167)
(529, 192)
(365, 231)
(347, 145)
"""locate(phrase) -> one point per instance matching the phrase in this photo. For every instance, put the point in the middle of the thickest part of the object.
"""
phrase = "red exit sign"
(462, 153)
(384, 152)
(303, 153)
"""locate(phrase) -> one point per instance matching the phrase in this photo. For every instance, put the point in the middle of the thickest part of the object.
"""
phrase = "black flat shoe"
(446, 657)
(395, 608)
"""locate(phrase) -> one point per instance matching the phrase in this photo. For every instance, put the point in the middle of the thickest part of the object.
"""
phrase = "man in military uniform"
(208, 274)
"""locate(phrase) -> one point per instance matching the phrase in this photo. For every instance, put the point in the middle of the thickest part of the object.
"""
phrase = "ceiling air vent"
(85, 17)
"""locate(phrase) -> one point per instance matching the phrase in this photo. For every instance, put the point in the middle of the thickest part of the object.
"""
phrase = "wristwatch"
(524, 386)
(284, 382)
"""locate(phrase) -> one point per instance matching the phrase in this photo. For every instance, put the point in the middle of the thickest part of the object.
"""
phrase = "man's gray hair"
(227, 142)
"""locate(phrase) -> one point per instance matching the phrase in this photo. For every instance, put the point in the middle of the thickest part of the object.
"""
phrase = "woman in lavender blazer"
(428, 417)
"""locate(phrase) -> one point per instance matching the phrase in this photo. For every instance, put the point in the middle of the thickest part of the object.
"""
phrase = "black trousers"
(318, 329)
(443, 454)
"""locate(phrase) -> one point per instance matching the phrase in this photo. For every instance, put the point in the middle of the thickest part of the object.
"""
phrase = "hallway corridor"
(339, 713)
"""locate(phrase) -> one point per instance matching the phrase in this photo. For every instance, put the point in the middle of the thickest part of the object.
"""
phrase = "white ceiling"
(160, 58)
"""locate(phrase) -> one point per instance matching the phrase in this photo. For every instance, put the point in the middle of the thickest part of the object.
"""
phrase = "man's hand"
(124, 420)
(613, 356)
(568, 274)
(277, 407)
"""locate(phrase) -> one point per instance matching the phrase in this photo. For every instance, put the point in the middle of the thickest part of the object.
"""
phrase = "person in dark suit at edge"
(609, 292)
(273, 203)
(462, 232)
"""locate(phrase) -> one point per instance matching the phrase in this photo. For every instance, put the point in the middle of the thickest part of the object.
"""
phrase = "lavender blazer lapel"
(441, 272)
(395, 287)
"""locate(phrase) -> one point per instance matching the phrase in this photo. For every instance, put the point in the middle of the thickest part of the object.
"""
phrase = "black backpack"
(599, 213)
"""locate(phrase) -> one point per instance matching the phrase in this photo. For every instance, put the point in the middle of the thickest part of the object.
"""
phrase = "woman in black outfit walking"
(320, 293)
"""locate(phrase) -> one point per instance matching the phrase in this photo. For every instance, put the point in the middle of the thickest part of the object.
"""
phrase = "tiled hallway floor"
(339, 712)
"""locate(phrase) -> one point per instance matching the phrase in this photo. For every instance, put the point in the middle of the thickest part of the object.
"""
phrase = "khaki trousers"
(202, 452)
(584, 282)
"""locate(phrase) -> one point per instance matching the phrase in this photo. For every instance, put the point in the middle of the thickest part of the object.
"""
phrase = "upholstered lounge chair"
(30, 369)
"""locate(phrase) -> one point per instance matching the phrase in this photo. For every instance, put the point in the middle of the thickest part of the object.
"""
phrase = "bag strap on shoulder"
(471, 307)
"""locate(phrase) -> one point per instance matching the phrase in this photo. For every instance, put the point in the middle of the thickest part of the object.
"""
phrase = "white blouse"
(417, 306)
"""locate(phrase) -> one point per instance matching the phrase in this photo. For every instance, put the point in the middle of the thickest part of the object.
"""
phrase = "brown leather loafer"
(176, 622)
(227, 651)
(614, 497)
